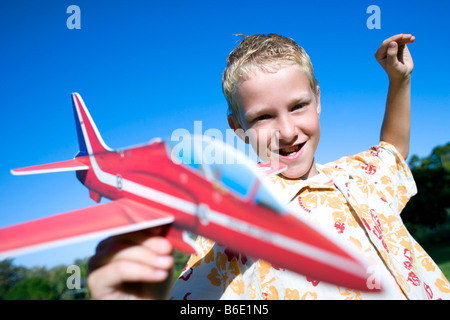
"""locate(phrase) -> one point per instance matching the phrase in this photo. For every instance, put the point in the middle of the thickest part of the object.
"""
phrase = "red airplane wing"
(67, 165)
(116, 217)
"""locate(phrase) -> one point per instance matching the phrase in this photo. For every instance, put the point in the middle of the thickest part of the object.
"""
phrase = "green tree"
(427, 214)
(439, 158)
(57, 277)
(33, 288)
(180, 260)
(432, 175)
(36, 283)
(9, 276)
(83, 292)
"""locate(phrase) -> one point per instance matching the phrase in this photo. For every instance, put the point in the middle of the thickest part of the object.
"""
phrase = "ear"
(318, 107)
(237, 128)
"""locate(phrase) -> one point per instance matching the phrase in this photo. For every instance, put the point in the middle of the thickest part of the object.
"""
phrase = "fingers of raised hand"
(401, 39)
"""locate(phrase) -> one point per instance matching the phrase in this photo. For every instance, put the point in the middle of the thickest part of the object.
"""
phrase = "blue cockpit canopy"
(225, 165)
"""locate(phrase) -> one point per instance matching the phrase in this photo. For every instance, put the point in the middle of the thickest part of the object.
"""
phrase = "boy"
(270, 88)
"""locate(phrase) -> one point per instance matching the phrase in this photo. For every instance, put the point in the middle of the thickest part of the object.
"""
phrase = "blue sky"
(146, 68)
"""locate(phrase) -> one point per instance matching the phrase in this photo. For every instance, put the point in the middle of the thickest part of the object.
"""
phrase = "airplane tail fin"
(89, 140)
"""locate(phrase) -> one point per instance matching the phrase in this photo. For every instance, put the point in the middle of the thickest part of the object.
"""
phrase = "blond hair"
(264, 52)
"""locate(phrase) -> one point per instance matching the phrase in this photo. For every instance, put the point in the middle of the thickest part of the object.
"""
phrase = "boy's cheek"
(263, 142)
(262, 149)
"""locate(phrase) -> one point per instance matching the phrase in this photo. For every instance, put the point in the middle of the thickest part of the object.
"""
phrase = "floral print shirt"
(359, 199)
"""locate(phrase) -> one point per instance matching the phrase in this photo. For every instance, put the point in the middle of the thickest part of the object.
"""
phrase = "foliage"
(180, 260)
(9, 276)
(439, 158)
(33, 288)
(38, 283)
(441, 255)
(427, 215)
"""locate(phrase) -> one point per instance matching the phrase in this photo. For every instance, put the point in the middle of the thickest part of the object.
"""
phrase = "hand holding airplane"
(154, 186)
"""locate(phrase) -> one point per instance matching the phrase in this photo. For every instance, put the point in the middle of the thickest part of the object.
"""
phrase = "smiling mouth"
(290, 151)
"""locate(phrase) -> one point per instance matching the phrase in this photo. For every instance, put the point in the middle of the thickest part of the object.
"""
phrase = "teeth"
(289, 150)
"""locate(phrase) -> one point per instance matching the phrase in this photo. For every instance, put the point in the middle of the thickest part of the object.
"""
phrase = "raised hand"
(393, 55)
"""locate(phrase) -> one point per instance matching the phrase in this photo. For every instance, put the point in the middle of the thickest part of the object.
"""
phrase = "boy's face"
(280, 115)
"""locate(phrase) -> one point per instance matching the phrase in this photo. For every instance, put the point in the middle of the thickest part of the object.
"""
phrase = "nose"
(288, 131)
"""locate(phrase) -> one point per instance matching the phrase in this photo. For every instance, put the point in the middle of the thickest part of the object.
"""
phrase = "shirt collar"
(288, 189)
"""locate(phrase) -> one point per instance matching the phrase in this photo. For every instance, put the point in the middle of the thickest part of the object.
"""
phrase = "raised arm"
(395, 58)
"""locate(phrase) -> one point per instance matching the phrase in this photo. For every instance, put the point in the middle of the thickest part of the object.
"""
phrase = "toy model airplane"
(151, 186)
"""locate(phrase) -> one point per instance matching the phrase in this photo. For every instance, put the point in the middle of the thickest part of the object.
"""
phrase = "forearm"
(397, 118)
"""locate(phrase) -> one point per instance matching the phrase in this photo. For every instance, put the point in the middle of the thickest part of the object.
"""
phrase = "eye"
(262, 117)
(298, 106)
